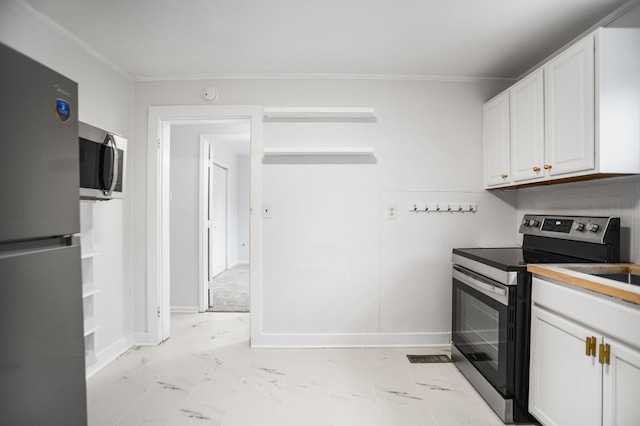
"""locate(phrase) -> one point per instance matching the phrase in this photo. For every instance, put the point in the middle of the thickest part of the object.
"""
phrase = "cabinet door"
(496, 141)
(565, 385)
(527, 128)
(621, 384)
(570, 109)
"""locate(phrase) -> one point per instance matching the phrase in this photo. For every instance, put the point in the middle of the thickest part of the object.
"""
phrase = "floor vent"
(428, 359)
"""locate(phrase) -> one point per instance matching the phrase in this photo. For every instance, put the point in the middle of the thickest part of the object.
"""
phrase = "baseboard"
(141, 338)
(356, 340)
(184, 309)
(242, 262)
(104, 357)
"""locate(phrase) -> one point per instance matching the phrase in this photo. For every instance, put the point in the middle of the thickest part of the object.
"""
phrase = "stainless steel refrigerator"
(42, 359)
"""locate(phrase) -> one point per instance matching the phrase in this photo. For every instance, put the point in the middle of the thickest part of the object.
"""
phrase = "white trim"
(140, 338)
(185, 309)
(321, 76)
(204, 249)
(158, 169)
(241, 262)
(44, 19)
(109, 354)
(356, 340)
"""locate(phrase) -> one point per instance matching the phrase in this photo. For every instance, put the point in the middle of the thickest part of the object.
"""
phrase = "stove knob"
(579, 226)
(525, 222)
(593, 227)
(534, 222)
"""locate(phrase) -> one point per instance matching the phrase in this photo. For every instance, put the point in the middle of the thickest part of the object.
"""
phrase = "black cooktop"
(513, 258)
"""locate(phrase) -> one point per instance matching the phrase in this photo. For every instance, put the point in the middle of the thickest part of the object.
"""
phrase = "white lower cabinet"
(565, 387)
(581, 373)
(621, 385)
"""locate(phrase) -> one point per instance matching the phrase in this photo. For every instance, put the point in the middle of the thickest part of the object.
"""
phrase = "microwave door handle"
(114, 175)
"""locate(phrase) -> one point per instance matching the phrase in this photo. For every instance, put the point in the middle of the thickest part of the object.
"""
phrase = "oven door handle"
(495, 292)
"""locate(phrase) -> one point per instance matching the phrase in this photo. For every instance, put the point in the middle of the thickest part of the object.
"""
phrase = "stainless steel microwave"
(102, 163)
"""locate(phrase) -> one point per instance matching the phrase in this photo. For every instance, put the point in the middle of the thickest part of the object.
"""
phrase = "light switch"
(266, 211)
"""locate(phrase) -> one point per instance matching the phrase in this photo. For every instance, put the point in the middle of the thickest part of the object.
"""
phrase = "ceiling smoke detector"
(210, 94)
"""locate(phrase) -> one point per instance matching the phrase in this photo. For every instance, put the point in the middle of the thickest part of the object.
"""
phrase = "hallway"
(230, 290)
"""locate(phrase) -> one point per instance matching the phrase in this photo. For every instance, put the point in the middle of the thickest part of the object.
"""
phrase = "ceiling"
(166, 39)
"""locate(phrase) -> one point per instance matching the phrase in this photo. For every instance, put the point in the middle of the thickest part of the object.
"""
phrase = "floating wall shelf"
(319, 151)
(318, 112)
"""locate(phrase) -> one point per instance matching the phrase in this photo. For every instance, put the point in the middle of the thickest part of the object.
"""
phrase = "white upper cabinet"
(496, 141)
(569, 109)
(574, 118)
(527, 128)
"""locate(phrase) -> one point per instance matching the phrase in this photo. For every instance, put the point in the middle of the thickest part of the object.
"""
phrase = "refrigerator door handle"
(116, 168)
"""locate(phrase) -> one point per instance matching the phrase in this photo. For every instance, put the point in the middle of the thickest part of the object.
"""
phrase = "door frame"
(158, 218)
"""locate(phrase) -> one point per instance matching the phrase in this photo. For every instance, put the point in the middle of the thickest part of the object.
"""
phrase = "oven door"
(483, 326)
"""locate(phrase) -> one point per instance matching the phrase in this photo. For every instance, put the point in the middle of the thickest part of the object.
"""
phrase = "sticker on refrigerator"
(62, 109)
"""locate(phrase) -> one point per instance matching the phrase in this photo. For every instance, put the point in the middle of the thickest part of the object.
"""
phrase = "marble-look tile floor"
(207, 374)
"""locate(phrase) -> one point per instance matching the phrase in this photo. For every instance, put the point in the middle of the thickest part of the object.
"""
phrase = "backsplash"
(619, 197)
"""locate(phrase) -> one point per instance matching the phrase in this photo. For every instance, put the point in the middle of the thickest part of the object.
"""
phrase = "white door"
(620, 385)
(527, 128)
(218, 209)
(569, 81)
(496, 141)
(565, 384)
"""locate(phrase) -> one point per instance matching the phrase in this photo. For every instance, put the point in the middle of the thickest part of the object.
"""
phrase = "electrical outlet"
(392, 211)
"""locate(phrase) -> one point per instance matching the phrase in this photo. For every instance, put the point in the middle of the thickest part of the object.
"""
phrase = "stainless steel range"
(492, 302)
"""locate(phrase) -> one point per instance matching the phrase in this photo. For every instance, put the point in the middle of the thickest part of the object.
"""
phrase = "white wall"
(184, 213)
(335, 272)
(105, 100)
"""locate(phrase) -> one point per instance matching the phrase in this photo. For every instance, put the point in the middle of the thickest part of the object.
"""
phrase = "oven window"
(480, 330)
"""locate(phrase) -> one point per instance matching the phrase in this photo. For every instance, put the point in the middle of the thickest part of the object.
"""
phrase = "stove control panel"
(579, 228)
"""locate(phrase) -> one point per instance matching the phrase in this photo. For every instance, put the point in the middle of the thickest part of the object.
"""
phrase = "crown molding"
(321, 76)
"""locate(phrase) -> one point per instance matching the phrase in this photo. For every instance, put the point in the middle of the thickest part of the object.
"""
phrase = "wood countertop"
(581, 275)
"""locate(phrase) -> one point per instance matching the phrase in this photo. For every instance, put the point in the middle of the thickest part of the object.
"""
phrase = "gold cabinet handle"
(503, 176)
(605, 354)
(591, 346)
(536, 169)
(547, 166)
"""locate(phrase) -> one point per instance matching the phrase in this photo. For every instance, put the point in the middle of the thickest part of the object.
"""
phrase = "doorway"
(227, 177)
(158, 211)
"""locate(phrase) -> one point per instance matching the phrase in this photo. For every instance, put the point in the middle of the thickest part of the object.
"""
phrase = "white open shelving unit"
(89, 289)
(319, 113)
(318, 151)
(326, 113)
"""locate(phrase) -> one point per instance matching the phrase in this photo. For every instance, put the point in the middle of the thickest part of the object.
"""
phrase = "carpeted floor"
(230, 290)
